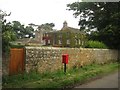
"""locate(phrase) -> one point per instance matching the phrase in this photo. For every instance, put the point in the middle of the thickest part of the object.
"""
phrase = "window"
(44, 42)
(75, 41)
(59, 41)
(82, 42)
(60, 35)
(68, 35)
(75, 36)
(48, 41)
(47, 35)
(79, 42)
(68, 41)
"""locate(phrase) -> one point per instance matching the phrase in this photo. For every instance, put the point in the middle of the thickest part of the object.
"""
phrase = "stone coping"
(36, 47)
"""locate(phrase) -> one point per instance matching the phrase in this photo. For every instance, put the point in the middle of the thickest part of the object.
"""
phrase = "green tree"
(12, 31)
(21, 30)
(47, 27)
(105, 16)
(29, 31)
(8, 35)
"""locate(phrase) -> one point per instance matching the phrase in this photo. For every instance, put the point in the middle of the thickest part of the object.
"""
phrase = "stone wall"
(48, 59)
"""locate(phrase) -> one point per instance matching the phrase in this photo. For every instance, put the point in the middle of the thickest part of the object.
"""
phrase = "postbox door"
(65, 58)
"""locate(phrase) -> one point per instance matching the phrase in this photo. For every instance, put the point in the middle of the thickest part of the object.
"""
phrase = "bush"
(17, 46)
(95, 44)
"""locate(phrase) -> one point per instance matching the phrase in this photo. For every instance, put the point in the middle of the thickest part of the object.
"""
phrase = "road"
(0, 61)
(109, 81)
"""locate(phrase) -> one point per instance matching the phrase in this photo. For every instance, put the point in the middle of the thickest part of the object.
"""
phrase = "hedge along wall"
(48, 59)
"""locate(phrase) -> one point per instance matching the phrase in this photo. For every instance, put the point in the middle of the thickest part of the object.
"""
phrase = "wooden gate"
(16, 64)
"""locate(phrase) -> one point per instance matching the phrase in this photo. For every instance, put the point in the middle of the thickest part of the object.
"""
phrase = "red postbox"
(65, 58)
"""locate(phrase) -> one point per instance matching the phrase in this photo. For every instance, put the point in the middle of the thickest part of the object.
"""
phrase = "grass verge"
(58, 79)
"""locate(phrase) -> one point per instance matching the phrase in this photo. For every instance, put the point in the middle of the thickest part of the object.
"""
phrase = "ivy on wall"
(67, 39)
(64, 44)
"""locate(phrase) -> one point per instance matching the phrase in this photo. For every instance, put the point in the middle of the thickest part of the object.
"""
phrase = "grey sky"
(100, 0)
(40, 11)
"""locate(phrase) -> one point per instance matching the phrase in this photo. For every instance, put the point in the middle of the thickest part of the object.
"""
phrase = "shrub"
(95, 44)
(17, 46)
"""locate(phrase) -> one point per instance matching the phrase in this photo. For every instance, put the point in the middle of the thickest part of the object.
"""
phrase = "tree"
(105, 16)
(2, 20)
(21, 30)
(8, 33)
(29, 31)
(18, 28)
(12, 31)
(47, 27)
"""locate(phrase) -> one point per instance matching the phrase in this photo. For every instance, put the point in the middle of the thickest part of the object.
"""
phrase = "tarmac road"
(0, 61)
(109, 81)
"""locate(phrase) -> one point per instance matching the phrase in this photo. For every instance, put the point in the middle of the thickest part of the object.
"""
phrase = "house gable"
(66, 37)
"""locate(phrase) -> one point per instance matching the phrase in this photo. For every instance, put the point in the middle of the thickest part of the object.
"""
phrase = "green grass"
(58, 79)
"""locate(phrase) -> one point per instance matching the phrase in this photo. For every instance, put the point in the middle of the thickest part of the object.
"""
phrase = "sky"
(40, 12)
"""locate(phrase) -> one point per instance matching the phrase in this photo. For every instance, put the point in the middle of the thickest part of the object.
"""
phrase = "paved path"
(109, 81)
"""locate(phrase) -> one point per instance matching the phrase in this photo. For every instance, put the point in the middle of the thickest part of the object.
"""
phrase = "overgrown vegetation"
(17, 46)
(104, 16)
(58, 79)
(12, 31)
(95, 44)
(69, 39)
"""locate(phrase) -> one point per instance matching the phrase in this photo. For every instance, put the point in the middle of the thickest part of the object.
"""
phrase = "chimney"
(64, 24)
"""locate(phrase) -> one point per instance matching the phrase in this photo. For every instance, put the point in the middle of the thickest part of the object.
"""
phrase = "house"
(31, 41)
(66, 37)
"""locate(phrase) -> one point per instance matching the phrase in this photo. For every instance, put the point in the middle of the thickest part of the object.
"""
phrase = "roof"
(26, 40)
(66, 28)
(70, 29)
(73, 30)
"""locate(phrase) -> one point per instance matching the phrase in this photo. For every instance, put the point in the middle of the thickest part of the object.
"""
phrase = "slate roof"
(70, 29)
(66, 28)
